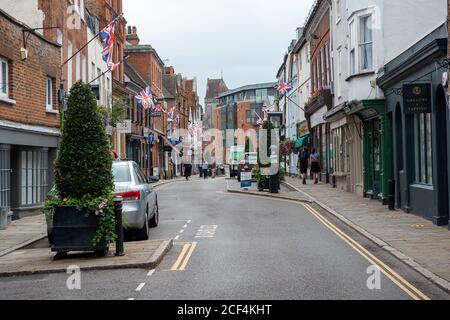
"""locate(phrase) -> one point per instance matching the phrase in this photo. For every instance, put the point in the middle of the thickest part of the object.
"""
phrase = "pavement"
(238, 246)
(416, 241)
(16, 259)
(144, 254)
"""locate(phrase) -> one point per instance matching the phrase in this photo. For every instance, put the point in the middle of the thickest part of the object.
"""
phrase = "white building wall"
(96, 66)
(25, 11)
(397, 24)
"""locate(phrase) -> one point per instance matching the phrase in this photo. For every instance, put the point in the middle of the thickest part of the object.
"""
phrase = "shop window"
(33, 177)
(423, 149)
(5, 178)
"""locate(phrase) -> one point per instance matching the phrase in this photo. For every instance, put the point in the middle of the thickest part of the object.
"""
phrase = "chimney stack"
(132, 36)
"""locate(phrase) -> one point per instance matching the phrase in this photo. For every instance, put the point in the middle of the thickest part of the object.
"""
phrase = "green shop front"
(377, 146)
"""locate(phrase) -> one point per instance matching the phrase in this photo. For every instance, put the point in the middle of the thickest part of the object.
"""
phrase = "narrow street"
(239, 247)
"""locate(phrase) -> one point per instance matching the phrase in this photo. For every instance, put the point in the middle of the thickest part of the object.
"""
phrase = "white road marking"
(206, 231)
(176, 238)
(181, 231)
(130, 299)
(139, 288)
(189, 221)
(185, 226)
(150, 273)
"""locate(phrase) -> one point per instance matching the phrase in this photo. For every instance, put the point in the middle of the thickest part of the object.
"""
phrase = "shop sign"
(417, 98)
(246, 180)
(317, 117)
(124, 127)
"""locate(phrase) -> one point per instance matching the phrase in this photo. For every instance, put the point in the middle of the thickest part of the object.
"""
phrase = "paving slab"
(143, 254)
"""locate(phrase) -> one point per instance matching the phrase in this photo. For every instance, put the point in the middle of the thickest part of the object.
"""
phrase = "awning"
(302, 142)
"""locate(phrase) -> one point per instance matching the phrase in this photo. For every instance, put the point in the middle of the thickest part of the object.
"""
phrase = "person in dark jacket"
(187, 170)
(303, 164)
(315, 165)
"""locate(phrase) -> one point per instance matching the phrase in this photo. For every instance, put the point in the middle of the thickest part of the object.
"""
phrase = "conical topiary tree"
(84, 164)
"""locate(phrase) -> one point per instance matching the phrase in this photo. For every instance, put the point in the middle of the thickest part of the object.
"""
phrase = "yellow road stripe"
(391, 274)
(180, 258)
(188, 256)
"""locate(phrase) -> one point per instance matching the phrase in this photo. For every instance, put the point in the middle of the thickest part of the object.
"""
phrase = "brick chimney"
(132, 36)
(170, 71)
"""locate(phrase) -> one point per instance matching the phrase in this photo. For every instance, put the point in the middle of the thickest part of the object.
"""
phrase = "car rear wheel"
(143, 234)
(155, 220)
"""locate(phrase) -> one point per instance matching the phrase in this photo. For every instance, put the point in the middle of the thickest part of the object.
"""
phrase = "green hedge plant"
(83, 169)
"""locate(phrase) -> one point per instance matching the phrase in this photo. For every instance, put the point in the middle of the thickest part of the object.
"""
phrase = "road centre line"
(403, 284)
(139, 288)
(176, 238)
(182, 230)
(150, 273)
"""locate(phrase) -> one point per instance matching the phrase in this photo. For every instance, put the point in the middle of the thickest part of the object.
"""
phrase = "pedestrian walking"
(187, 171)
(303, 164)
(214, 169)
(205, 168)
(315, 165)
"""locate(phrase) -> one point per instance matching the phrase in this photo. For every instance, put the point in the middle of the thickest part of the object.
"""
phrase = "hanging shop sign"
(318, 117)
(124, 127)
(417, 98)
(156, 114)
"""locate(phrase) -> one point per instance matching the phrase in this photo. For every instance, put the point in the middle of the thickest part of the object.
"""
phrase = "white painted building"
(296, 70)
(366, 35)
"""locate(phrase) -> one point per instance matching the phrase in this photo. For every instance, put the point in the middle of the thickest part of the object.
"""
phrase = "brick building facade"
(29, 124)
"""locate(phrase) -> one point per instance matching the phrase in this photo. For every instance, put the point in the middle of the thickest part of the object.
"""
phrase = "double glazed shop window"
(33, 177)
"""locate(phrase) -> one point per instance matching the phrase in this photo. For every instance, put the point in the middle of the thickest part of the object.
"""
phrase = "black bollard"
(119, 226)
(391, 198)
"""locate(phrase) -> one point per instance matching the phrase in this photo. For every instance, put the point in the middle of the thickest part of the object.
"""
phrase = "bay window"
(366, 43)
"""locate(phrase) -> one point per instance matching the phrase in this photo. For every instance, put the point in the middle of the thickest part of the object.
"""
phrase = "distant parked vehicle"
(140, 201)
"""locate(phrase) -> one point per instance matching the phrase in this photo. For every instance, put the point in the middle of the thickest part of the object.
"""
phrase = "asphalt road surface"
(230, 246)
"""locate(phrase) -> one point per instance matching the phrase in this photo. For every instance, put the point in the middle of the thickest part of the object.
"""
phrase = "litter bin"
(4, 212)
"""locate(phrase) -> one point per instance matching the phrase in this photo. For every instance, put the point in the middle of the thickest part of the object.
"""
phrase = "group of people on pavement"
(203, 170)
(307, 161)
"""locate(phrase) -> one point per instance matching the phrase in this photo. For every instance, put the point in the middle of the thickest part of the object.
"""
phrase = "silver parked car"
(140, 202)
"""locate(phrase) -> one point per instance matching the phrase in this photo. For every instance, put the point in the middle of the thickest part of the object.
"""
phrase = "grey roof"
(215, 87)
(169, 86)
(134, 75)
(269, 85)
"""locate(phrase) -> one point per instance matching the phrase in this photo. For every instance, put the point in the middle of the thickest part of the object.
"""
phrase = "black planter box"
(74, 230)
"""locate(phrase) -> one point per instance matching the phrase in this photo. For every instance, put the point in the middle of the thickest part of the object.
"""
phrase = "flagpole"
(85, 45)
(108, 70)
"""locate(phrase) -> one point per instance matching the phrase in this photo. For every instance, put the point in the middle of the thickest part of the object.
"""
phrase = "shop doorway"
(442, 120)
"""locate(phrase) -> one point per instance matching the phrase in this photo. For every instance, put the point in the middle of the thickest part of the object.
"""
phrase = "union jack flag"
(145, 98)
(283, 88)
(171, 114)
(108, 38)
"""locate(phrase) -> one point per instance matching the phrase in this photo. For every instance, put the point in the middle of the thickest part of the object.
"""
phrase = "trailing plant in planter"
(83, 169)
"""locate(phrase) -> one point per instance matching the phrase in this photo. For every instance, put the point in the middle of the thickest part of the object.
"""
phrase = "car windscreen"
(121, 173)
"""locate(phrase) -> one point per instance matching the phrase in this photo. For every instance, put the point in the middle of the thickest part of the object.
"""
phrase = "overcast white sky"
(246, 39)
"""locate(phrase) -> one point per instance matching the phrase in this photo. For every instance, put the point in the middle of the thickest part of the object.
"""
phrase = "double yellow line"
(407, 287)
(184, 257)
